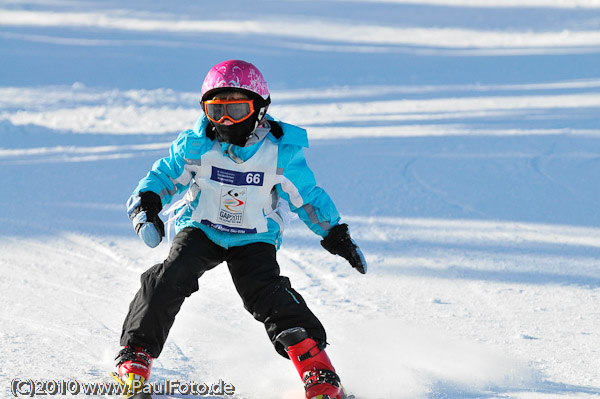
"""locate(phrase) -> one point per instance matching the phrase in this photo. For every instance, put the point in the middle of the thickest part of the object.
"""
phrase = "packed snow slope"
(460, 140)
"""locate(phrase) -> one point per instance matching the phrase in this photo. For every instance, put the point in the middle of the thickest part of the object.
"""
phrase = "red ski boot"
(313, 364)
(133, 368)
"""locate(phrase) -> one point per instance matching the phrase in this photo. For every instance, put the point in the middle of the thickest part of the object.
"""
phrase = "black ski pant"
(266, 294)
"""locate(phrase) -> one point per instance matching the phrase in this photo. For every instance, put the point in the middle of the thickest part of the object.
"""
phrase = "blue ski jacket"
(174, 175)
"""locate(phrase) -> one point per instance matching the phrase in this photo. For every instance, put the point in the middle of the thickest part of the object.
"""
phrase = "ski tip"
(140, 395)
(116, 377)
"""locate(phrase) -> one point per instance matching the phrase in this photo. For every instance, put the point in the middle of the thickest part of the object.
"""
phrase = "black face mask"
(238, 133)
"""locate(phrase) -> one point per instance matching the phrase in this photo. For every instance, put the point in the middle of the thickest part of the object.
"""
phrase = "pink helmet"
(235, 74)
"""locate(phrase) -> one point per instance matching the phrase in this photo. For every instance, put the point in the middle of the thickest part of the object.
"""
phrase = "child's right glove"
(143, 209)
(338, 242)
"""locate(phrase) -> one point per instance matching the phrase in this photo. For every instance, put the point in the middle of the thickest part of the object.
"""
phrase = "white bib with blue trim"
(235, 197)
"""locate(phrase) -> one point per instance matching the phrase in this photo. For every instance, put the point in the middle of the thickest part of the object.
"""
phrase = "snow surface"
(460, 140)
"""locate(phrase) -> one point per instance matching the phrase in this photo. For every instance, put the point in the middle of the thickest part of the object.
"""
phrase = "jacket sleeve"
(299, 187)
(168, 175)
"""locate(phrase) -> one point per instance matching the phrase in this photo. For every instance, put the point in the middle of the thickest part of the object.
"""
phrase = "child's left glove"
(143, 209)
(338, 242)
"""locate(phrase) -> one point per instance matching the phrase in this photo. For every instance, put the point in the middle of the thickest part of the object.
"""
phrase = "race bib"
(234, 196)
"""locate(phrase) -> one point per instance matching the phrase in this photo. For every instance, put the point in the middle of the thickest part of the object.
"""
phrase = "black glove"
(338, 242)
(143, 209)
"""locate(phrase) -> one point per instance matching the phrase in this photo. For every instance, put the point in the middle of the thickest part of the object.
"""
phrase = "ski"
(139, 395)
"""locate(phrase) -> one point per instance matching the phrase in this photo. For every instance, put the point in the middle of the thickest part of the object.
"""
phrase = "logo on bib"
(233, 203)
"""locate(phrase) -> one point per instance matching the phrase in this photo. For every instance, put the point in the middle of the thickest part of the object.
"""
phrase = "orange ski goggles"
(234, 110)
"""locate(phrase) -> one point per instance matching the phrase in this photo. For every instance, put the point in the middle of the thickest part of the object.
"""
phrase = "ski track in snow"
(472, 132)
(307, 31)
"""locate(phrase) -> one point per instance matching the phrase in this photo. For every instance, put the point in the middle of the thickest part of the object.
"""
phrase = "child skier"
(238, 165)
